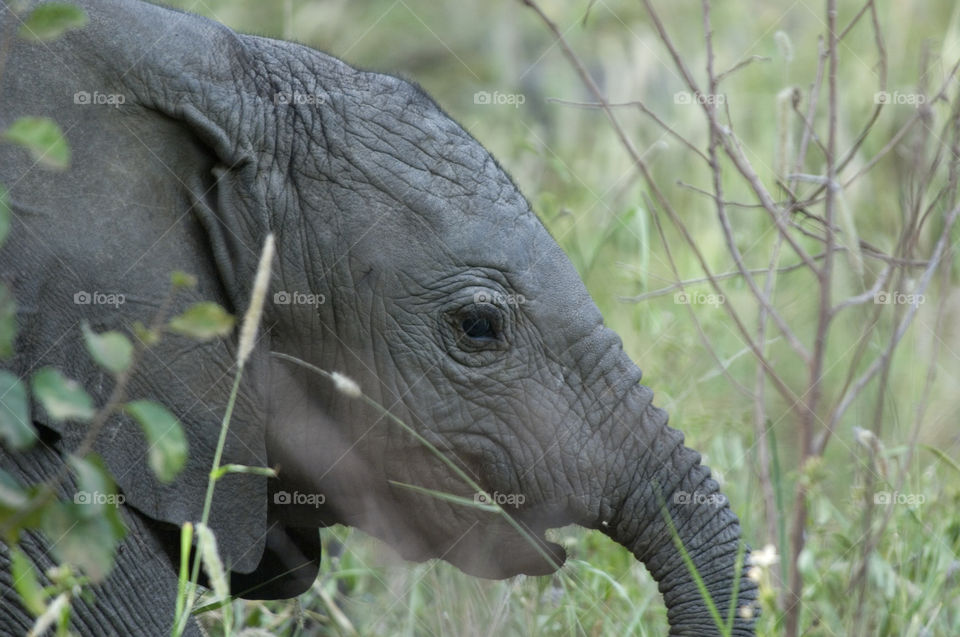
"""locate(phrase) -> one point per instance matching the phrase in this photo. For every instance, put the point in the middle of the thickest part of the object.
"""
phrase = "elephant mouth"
(497, 548)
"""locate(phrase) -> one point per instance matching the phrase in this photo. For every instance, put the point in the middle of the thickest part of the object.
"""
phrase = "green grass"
(579, 180)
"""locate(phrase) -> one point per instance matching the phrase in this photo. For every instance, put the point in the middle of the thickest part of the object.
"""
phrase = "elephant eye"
(478, 328)
(480, 325)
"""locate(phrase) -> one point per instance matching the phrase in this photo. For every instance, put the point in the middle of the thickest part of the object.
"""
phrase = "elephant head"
(407, 260)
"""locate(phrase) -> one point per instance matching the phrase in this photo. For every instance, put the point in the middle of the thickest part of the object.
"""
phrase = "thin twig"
(730, 144)
(693, 315)
(741, 64)
(706, 193)
(854, 20)
(812, 101)
(719, 277)
(717, 175)
(881, 85)
(646, 111)
(901, 329)
(903, 130)
(824, 316)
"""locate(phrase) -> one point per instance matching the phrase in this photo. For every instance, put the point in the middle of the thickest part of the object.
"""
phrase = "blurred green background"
(583, 185)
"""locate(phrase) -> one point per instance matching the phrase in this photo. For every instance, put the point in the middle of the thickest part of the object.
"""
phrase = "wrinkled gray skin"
(387, 208)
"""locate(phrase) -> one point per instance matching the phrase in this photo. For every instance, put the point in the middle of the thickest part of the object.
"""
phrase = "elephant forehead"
(385, 138)
(407, 186)
(390, 125)
(372, 152)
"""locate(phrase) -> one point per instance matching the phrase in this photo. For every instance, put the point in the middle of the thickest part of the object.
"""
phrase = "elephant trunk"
(664, 479)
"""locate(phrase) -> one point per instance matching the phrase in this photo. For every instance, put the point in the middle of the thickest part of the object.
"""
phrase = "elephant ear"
(290, 564)
(151, 103)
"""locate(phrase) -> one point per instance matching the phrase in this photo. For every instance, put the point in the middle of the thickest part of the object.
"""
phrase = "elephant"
(403, 252)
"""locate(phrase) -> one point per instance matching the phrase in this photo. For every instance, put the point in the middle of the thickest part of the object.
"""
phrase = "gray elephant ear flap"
(205, 76)
(199, 72)
(216, 105)
(290, 564)
(177, 139)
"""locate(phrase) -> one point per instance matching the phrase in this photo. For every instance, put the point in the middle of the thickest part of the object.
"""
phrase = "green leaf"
(13, 497)
(8, 322)
(25, 582)
(50, 21)
(4, 213)
(86, 532)
(16, 428)
(43, 138)
(144, 334)
(111, 350)
(180, 279)
(168, 446)
(61, 397)
(88, 542)
(203, 321)
(96, 493)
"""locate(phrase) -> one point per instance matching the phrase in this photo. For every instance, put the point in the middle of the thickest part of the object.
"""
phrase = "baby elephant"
(406, 260)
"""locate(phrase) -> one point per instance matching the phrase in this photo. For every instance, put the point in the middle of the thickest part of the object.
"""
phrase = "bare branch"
(901, 329)
(741, 64)
(646, 111)
(693, 315)
(718, 277)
